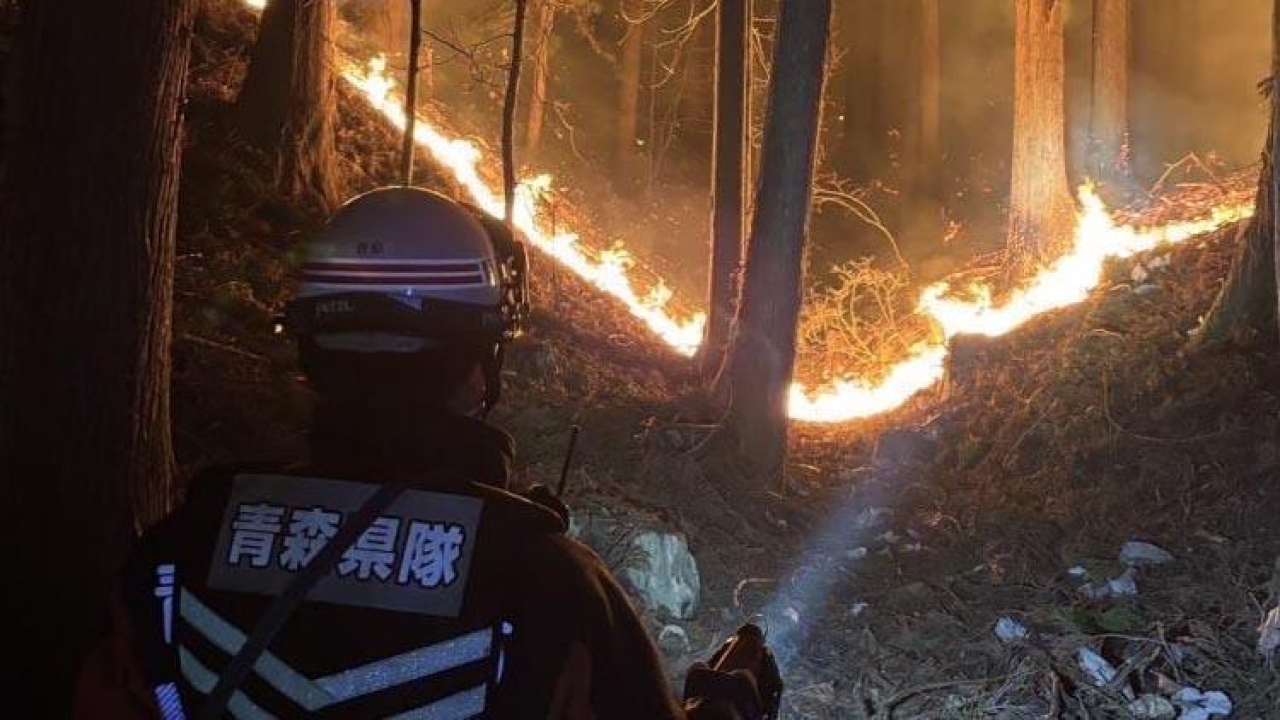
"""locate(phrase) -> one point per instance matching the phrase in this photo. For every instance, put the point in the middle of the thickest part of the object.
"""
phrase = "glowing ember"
(1066, 281)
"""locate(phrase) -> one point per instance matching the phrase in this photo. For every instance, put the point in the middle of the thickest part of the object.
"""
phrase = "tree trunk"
(727, 176)
(286, 106)
(1247, 303)
(509, 113)
(1109, 114)
(408, 142)
(864, 126)
(544, 18)
(1040, 206)
(629, 89)
(925, 97)
(920, 209)
(758, 366)
(87, 218)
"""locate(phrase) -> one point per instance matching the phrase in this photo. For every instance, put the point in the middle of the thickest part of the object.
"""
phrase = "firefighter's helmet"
(402, 269)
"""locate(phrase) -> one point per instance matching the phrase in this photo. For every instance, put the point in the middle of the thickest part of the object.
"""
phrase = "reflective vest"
(414, 620)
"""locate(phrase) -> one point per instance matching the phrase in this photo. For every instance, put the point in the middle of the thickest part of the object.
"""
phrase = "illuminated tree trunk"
(408, 143)
(509, 114)
(758, 366)
(1248, 300)
(728, 179)
(1109, 116)
(1040, 206)
(629, 87)
(87, 217)
(544, 18)
(287, 103)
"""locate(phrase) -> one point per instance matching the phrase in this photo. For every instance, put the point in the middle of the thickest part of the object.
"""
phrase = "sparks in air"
(1065, 281)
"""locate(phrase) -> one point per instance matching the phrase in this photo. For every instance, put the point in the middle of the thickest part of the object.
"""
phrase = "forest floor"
(898, 543)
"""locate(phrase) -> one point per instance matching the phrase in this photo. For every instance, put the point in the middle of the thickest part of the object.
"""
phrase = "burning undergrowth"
(235, 384)
(1044, 450)
(1047, 450)
(860, 322)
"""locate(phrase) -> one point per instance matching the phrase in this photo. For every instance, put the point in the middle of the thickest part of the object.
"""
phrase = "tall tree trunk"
(758, 366)
(87, 218)
(727, 177)
(287, 103)
(1109, 113)
(920, 208)
(629, 88)
(925, 95)
(1247, 302)
(864, 125)
(411, 92)
(1040, 206)
(544, 18)
(509, 113)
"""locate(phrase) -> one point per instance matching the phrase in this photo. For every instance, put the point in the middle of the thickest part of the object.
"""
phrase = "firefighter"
(392, 574)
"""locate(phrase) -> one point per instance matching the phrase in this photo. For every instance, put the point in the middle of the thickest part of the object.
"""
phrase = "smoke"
(1196, 65)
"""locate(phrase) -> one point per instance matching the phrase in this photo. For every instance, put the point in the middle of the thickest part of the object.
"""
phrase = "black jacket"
(563, 639)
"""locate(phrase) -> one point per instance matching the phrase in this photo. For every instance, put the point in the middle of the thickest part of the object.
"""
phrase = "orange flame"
(607, 270)
(1067, 280)
(1070, 278)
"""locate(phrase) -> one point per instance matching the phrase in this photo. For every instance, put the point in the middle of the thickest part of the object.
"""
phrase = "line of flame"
(1066, 281)
(1069, 279)
(608, 270)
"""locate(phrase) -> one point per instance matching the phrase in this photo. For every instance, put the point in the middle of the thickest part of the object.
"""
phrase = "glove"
(715, 695)
(542, 495)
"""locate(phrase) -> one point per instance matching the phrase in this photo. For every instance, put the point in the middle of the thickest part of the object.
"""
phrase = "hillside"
(899, 541)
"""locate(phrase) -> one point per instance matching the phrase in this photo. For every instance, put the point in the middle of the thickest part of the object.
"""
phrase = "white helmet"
(402, 269)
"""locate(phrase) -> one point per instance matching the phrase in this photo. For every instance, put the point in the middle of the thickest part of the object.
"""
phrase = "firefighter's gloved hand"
(542, 495)
(715, 695)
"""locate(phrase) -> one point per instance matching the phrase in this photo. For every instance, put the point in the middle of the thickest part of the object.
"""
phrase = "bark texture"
(728, 204)
(87, 218)
(758, 366)
(286, 106)
(1040, 206)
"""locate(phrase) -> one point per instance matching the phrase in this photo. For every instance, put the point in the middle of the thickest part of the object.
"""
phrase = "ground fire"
(1067, 280)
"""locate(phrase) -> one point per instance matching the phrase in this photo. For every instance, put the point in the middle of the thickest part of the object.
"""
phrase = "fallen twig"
(214, 344)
